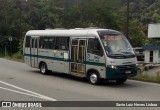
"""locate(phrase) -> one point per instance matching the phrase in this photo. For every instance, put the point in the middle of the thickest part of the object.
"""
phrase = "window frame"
(27, 41)
(56, 43)
(93, 47)
(61, 42)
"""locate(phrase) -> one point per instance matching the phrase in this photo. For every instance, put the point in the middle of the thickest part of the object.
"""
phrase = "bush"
(147, 78)
(17, 55)
(1, 53)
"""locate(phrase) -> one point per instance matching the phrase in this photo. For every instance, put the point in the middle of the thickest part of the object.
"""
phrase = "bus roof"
(77, 32)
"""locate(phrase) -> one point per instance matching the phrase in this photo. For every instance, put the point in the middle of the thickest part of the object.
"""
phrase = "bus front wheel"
(120, 81)
(94, 78)
(43, 68)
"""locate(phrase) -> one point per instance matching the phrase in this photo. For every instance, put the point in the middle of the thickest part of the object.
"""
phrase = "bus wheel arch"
(43, 68)
(93, 76)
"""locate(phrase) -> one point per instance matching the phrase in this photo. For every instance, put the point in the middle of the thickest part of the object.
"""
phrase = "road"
(19, 82)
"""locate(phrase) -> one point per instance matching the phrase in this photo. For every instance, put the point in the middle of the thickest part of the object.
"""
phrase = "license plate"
(127, 72)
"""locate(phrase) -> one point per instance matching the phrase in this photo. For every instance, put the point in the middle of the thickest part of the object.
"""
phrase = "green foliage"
(1, 53)
(92, 14)
(137, 37)
(19, 16)
(4, 43)
(17, 55)
(20, 46)
(148, 78)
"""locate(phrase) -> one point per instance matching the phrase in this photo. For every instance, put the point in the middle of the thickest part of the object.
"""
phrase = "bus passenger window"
(62, 43)
(94, 47)
(27, 41)
(65, 43)
(35, 43)
(32, 46)
(58, 43)
(46, 43)
(41, 42)
(52, 43)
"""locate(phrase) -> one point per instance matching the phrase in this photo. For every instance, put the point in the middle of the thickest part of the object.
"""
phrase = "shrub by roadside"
(16, 57)
(147, 78)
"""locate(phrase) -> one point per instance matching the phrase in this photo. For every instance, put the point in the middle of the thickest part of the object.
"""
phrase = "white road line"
(26, 93)
(19, 88)
(31, 93)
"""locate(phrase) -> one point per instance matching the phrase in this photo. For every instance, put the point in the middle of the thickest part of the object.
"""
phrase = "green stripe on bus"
(62, 59)
(95, 63)
(46, 57)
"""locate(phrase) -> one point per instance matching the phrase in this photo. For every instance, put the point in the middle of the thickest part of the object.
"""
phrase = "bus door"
(34, 51)
(78, 53)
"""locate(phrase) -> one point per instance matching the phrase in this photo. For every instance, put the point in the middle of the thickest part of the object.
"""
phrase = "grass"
(15, 57)
(147, 78)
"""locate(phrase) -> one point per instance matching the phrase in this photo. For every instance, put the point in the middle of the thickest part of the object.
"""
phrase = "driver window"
(94, 47)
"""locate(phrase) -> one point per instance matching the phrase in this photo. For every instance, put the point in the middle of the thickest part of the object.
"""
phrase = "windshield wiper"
(128, 53)
(118, 54)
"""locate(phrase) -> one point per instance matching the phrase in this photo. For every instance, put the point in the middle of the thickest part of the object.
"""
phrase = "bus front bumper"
(121, 72)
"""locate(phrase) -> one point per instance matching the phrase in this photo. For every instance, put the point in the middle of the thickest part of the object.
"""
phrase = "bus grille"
(126, 67)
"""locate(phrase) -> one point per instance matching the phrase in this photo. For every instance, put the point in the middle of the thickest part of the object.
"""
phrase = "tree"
(39, 16)
(137, 37)
(19, 16)
(91, 14)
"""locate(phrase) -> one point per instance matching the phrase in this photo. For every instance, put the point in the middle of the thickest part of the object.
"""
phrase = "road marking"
(25, 93)
(30, 93)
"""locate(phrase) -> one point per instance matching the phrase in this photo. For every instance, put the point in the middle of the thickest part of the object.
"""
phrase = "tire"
(120, 81)
(94, 78)
(43, 68)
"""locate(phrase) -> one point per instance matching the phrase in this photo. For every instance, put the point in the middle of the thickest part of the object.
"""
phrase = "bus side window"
(94, 47)
(35, 43)
(27, 41)
(65, 44)
(52, 42)
(62, 43)
(58, 43)
(32, 45)
(46, 42)
(41, 42)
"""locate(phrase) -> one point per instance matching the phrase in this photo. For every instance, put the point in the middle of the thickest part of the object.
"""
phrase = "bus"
(94, 54)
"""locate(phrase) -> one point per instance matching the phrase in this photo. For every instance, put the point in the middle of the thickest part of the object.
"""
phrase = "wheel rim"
(93, 78)
(43, 68)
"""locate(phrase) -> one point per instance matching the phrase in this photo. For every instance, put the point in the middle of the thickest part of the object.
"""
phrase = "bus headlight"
(113, 66)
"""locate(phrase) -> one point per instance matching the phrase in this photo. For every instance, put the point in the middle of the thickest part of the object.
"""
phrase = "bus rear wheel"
(94, 78)
(43, 68)
(120, 81)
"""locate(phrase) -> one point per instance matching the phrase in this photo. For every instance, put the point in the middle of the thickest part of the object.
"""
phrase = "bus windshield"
(117, 46)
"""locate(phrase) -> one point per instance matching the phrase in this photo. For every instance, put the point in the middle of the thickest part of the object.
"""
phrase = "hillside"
(19, 16)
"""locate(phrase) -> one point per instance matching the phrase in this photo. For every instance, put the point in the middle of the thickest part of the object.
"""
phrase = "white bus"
(91, 53)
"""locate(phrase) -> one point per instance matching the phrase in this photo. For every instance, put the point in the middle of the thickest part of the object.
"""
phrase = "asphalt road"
(19, 82)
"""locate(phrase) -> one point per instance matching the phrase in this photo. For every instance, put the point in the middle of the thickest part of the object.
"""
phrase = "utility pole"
(20, 21)
(10, 45)
(20, 8)
(127, 20)
(5, 49)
